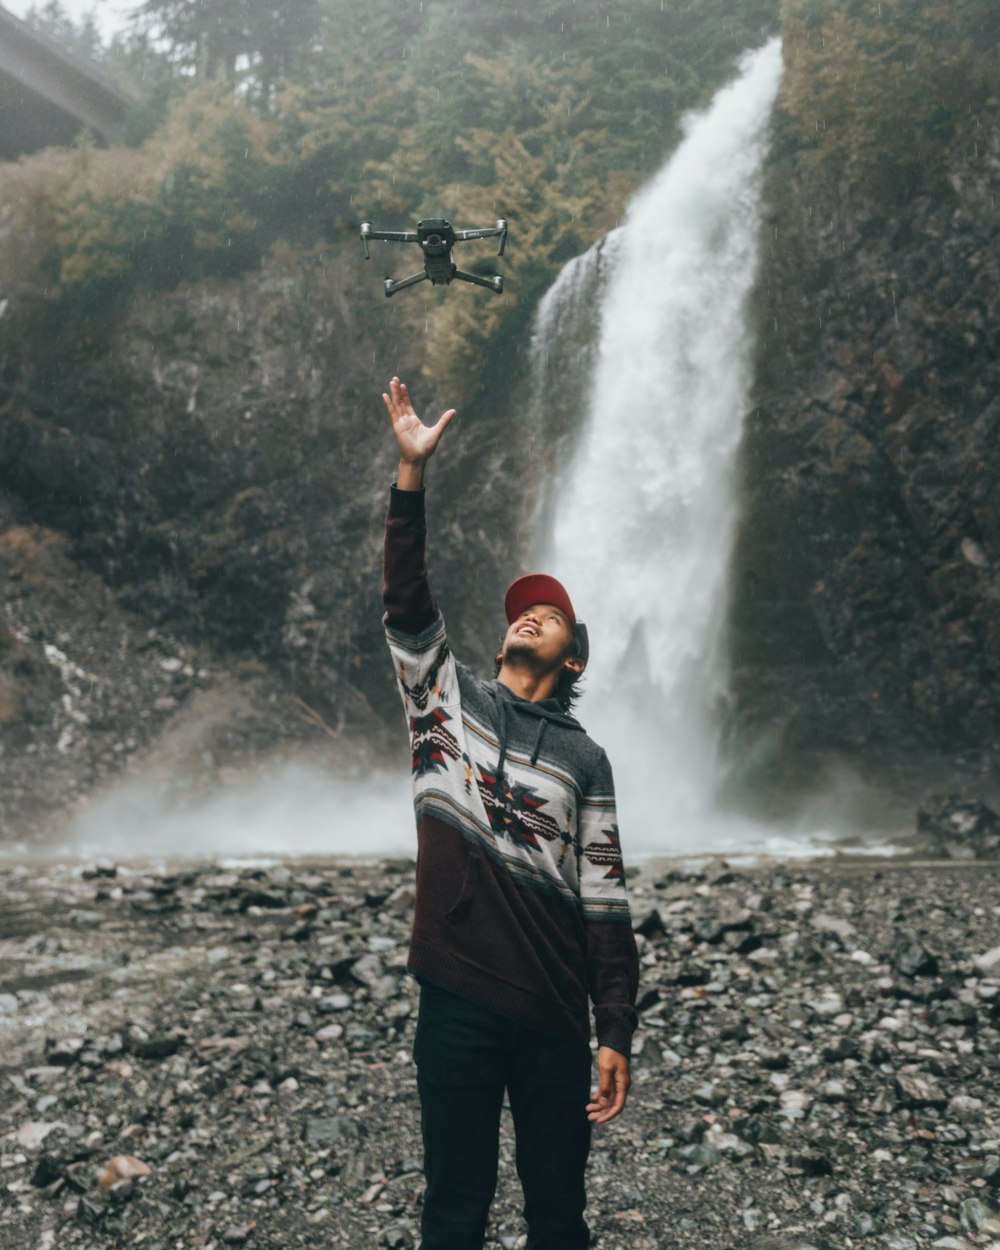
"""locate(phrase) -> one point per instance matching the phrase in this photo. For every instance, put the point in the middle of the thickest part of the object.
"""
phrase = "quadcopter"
(437, 237)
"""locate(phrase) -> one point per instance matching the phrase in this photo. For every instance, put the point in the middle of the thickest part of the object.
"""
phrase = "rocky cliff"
(866, 577)
(191, 526)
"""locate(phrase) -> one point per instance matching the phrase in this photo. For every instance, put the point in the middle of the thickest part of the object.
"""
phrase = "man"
(521, 911)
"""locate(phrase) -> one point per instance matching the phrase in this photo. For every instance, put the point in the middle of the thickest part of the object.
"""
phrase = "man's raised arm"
(409, 605)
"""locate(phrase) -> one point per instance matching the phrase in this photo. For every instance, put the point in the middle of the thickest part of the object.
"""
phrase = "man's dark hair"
(567, 689)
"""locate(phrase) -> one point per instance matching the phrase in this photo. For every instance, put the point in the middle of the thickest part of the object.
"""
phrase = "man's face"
(541, 636)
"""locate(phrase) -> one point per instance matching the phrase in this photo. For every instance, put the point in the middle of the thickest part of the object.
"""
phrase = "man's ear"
(574, 664)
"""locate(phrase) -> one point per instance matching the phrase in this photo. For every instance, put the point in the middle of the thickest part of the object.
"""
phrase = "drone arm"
(391, 286)
(494, 284)
(487, 232)
(391, 236)
(394, 236)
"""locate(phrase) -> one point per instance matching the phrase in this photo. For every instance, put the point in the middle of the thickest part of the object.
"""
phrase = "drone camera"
(436, 236)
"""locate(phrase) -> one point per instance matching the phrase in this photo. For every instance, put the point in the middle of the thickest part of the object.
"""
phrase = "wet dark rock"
(841, 1048)
(330, 1130)
(918, 1091)
(911, 959)
(651, 925)
(691, 973)
(696, 1156)
(237, 1234)
(261, 898)
(49, 1168)
(988, 964)
(157, 1046)
(63, 1051)
(811, 1164)
(102, 868)
(961, 828)
(397, 1237)
(90, 1210)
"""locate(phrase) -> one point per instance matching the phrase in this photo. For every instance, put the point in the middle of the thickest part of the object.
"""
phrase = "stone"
(122, 1168)
(651, 925)
(962, 1105)
(829, 1003)
(918, 1091)
(913, 960)
(838, 925)
(237, 1234)
(144, 1046)
(63, 1051)
(988, 964)
(397, 1237)
(31, 1134)
(330, 1130)
(215, 1047)
(973, 1213)
(334, 1002)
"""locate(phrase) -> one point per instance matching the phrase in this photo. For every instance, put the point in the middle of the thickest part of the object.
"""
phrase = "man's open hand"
(613, 1071)
(416, 441)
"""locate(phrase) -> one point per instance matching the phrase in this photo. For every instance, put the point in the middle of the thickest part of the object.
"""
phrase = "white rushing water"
(642, 515)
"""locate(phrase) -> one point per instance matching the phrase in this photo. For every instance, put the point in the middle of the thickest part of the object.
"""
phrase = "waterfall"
(640, 514)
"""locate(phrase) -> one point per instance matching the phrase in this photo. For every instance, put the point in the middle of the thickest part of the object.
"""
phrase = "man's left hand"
(613, 1070)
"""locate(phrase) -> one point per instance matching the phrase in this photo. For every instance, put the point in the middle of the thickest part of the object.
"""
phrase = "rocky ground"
(215, 1056)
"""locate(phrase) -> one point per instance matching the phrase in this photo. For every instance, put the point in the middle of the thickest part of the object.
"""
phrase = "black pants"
(466, 1056)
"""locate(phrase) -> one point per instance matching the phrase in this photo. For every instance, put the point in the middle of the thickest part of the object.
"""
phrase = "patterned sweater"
(521, 902)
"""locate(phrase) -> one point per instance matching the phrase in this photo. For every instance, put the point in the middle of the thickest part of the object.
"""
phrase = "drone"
(437, 237)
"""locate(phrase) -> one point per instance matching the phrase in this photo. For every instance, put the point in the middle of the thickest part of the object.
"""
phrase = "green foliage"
(874, 89)
(254, 41)
(85, 223)
(262, 126)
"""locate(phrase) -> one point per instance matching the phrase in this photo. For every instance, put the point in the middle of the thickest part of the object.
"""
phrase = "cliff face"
(192, 521)
(866, 576)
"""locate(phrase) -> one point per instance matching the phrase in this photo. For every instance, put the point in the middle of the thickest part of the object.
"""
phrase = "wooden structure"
(47, 96)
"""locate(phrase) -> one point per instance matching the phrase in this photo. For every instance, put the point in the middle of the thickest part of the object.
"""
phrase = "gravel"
(207, 1055)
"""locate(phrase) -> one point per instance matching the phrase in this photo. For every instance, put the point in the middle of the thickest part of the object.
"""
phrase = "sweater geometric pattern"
(545, 822)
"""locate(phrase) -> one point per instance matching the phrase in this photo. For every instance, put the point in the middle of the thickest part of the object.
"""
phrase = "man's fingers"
(609, 1100)
(403, 398)
(443, 422)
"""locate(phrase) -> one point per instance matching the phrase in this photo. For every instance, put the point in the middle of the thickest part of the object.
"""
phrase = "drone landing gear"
(457, 275)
